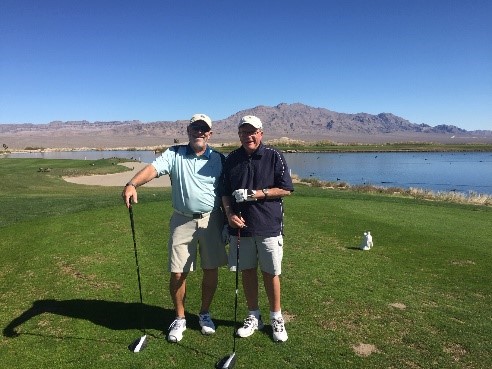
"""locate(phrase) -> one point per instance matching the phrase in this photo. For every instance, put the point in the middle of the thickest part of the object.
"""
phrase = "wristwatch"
(265, 192)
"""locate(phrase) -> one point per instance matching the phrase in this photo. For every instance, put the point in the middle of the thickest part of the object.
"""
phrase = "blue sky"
(426, 61)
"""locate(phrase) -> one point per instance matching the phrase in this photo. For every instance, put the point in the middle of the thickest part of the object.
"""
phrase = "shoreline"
(288, 146)
(118, 179)
(81, 149)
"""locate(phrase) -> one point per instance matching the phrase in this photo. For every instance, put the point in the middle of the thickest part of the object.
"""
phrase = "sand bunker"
(119, 179)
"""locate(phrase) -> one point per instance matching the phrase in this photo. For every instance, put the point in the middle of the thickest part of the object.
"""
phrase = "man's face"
(250, 137)
(199, 133)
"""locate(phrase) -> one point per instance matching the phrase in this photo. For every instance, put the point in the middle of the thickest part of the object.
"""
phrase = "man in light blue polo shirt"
(197, 222)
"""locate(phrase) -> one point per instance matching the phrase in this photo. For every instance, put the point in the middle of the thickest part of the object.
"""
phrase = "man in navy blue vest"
(256, 178)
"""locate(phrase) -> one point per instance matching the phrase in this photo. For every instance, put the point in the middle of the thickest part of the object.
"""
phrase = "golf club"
(140, 343)
(229, 361)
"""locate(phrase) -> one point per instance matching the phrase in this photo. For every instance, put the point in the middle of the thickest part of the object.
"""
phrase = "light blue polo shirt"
(196, 180)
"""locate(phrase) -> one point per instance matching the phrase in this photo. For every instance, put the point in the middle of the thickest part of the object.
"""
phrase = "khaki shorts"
(188, 235)
(267, 251)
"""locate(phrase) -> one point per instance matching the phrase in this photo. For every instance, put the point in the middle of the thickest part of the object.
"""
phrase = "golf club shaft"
(237, 284)
(130, 209)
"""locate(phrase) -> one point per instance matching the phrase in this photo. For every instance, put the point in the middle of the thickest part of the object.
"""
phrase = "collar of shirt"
(190, 151)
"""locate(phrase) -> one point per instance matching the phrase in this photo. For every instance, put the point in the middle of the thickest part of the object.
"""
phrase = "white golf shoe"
(208, 326)
(278, 328)
(176, 330)
(250, 325)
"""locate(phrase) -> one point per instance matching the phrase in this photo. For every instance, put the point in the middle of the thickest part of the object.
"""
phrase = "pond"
(451, 171)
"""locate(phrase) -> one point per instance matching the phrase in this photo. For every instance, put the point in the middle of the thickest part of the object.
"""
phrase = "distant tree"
(5, 147)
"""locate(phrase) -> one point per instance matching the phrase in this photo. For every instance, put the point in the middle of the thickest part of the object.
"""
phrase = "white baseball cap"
(203, 118)
(251, 119)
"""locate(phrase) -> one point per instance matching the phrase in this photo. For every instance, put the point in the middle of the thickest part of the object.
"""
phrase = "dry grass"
(457, 197)
(472, 198)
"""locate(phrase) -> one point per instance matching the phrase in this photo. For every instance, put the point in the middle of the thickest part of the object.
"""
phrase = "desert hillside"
(292, 121)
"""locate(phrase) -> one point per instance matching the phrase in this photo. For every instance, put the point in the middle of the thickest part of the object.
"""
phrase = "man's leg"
(250, 286)
(272, 262)
(209, 286)
(177, 289)
(253, 321)
(272, 288)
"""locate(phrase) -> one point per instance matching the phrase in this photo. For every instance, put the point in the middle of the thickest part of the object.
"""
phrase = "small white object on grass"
(366, 241)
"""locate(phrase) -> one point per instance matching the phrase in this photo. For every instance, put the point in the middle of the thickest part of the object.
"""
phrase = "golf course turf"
(420, 298)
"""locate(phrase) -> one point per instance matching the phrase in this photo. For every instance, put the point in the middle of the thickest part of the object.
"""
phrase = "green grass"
(69, 293)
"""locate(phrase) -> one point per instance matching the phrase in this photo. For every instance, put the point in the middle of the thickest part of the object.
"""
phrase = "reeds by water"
(473, 198)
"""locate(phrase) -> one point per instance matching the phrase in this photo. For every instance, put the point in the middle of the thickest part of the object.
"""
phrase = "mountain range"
(283, 121)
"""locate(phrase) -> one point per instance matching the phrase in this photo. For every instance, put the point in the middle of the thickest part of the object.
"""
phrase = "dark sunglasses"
(199, 127)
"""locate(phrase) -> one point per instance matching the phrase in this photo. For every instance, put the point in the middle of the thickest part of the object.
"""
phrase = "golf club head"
(139, 344)
(227, 362)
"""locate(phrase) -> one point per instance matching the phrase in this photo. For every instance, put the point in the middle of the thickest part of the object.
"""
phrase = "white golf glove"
(244, 194)
(225, 234)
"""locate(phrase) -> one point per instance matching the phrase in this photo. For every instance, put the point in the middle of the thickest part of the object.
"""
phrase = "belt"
(194, 215)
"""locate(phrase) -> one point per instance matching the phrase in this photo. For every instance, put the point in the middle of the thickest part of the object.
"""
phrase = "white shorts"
(267, 251)
(188, 235)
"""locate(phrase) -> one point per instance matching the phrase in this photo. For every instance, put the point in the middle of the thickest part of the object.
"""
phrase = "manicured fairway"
(69, 296)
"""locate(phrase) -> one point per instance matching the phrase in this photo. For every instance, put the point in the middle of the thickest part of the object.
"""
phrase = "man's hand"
(129, 195)
(244, 195)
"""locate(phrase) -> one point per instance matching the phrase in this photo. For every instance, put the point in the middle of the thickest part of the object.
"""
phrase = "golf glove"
(244, 195)
(225, 234)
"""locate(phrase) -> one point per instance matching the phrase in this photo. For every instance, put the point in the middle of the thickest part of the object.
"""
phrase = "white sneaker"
(250, 325)
(278, 328)
(176, 330)
(208, 326)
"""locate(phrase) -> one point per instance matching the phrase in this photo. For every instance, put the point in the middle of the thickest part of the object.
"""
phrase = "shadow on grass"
(110, 314)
